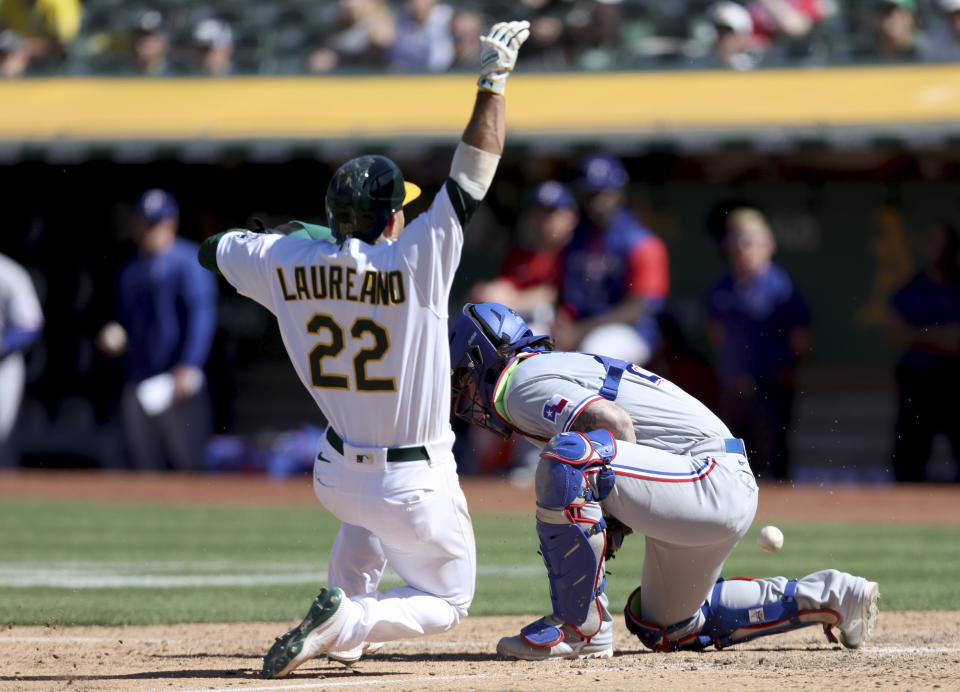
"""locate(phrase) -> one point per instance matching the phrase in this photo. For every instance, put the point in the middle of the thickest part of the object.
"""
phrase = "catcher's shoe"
(350, 656)
(310, 638)
(858, 631)
(571, 645)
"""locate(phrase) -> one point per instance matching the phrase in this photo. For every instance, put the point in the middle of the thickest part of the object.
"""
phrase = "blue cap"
(156, 205)
(599, 172)
(554, 195)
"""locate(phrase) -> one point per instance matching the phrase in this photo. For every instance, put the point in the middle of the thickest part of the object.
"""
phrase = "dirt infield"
(908, 651)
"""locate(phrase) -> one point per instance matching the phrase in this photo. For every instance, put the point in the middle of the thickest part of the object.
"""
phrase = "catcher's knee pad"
(656, 637)
(575, 456)
(571, 528)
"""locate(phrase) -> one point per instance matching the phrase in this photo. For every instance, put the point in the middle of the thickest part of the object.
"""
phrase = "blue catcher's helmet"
(483, 339)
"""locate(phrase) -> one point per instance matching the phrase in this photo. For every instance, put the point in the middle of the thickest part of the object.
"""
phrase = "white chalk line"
(181, 574)
(104, 640)
(57, 640)
(399, 680)
(395, 680)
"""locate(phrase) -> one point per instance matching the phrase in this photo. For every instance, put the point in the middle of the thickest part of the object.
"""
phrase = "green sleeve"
(463, 204)
(310, 231)
(207, 254)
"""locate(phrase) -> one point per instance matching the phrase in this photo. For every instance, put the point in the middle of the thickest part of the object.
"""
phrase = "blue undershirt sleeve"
(16, 338)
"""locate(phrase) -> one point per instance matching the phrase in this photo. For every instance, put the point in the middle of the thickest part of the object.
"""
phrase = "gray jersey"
(542, 394)
(19, 306)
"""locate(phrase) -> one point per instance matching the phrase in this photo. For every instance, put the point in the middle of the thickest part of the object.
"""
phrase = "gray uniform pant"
(693, 510)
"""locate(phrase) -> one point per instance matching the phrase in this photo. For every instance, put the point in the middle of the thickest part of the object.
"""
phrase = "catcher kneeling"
(624, 450)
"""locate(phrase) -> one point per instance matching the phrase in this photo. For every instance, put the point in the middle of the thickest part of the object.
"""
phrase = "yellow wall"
(398, 106)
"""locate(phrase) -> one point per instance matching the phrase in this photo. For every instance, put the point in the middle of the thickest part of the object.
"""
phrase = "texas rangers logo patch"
(554, 408)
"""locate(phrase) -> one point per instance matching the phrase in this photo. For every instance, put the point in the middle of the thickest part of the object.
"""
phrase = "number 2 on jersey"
(381, 343)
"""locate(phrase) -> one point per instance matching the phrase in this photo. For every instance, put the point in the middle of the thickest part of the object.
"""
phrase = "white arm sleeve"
(242, 258)
(473, 169)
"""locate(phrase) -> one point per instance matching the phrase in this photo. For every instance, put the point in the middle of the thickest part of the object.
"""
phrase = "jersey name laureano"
(334, 282)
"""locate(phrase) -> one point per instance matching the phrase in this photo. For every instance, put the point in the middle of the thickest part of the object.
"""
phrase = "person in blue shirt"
(166, 318)
(615, 273)
(760, 329)
(923, 321)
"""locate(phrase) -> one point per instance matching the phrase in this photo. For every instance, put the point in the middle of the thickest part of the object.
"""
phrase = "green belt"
(393, 453)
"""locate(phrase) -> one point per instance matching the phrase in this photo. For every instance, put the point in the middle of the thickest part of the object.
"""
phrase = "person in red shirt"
(530, 275)
(615, 271)
(792, 19)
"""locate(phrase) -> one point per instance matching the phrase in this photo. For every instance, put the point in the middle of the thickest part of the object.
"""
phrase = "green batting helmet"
(363, 194)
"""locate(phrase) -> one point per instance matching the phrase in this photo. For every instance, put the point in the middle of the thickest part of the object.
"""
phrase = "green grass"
(137, 564)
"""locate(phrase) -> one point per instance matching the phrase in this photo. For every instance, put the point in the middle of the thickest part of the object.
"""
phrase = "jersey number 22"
(363, 325)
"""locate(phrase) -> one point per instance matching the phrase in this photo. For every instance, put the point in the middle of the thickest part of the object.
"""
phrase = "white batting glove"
(498, 54)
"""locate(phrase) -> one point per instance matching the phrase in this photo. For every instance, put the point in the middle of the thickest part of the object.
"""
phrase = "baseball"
(770, 539)
(112, 339)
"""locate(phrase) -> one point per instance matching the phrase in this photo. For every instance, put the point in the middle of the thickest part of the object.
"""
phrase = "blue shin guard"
(724, 626)
(572, 531)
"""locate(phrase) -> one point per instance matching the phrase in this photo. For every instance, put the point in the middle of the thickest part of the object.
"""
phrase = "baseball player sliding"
(625, 450)
(363, 317)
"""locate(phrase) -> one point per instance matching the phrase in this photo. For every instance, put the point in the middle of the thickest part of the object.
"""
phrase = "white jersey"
(365, 326)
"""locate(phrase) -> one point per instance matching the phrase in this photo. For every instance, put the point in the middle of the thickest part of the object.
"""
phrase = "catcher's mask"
(483, 339)
(362, 195)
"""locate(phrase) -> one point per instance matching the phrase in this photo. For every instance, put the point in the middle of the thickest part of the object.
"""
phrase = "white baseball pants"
(412, 515)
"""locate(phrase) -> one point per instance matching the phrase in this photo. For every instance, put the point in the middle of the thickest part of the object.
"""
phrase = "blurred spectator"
(893, 34)
(48, 26)
(359, 38)
(466, 27)
(735, 46)
(14, 54)
(596, 29)
(530, 277)
(213, 41)
(424, 40)
(760, 329)
(943, 39)
(166, 313)
(616, 273)
(549, 45)
(924, 321)
(793, 19)
(21, 321)
(787, 26)
(151, 45)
